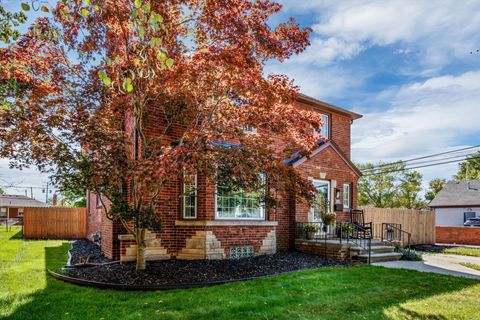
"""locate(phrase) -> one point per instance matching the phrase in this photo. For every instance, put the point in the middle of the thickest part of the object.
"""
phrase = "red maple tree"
(82, 87)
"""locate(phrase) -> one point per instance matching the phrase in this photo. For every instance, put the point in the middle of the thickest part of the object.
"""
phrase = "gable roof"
(458, 194)
(315, 102)
(19, 201)
(297, 159)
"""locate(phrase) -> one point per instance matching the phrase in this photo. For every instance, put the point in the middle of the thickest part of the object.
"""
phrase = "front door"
(322, 201)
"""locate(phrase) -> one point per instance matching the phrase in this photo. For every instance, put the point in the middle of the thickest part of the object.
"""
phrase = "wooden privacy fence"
(420, 223)
(54, 223)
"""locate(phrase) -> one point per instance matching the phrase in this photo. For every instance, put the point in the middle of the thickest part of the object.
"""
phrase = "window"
(346, 196)
(3, 212)
(325, 129)
(239, 204)
(99, 201)
(249, 129)
(20, 212)
(190, 196)
(468, 215)
(241, 252)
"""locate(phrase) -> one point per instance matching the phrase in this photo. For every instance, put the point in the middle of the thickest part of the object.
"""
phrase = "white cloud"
(424, 118)
(321, 83)
(439, 30)
(26, 178)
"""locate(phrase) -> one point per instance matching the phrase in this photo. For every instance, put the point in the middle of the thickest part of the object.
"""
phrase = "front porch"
(347, 240)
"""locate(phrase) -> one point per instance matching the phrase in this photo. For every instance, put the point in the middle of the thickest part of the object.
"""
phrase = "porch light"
(337, 193)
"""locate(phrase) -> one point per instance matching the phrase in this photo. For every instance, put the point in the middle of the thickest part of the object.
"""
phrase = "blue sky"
(405, 65)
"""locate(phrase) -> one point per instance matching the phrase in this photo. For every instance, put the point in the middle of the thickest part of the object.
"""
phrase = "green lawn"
(360, 292)
(470, 265)
(464, 251)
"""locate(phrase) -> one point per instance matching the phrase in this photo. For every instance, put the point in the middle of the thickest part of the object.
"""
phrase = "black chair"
(361, 229)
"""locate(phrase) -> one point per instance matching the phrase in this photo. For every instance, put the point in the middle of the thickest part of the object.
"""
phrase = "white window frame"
(347, 200)
(3, 212)
(249, 130)
(329, 197)
(185, 198)
(217, 217)
(20, 212)
(326, 126)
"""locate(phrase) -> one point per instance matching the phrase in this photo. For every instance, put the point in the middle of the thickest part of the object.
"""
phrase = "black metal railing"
(341, 231)
(392, 232)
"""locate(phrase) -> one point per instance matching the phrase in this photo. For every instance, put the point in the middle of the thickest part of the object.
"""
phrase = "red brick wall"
(334, 168)
(458, 235)
(240, 236)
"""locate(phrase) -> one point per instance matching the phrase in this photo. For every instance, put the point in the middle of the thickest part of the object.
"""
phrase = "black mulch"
(85, 250)
(433, 248)
(176, 272)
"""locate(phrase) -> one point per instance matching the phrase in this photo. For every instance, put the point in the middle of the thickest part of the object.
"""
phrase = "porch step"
(380, 257)
(375, 249)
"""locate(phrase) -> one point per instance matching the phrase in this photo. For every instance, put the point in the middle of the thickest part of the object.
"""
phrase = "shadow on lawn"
(355, 292)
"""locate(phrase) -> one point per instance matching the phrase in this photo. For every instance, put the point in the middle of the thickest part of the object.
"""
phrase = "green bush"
(409, 254)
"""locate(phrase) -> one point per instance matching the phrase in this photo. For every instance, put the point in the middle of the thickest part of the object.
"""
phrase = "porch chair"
(361, 229)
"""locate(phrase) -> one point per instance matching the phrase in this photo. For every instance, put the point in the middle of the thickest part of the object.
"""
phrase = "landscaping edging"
(126, 287)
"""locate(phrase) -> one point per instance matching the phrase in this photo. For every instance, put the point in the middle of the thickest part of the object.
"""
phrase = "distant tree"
(378, 185)
(469, 169)
(2, 191)
(434, 188)
(409, 190)
(74, 197)
(389, 186)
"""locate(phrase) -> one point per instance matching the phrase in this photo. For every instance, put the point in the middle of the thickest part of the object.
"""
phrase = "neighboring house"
(457, 202)
(212, 224)
(12, 206)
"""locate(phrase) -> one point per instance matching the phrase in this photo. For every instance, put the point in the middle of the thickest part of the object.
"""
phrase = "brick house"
(216, 225)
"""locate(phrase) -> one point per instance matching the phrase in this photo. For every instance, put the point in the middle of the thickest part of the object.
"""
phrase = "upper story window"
(239, 204)
(99, 201)
(249, 129)
(190, 196)
(325, 129)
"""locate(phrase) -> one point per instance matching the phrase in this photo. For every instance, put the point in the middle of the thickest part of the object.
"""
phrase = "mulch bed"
(180, 272)
(83, 250)
(432, 248)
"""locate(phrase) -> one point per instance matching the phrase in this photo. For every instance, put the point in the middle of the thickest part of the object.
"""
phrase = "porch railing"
(344, 232)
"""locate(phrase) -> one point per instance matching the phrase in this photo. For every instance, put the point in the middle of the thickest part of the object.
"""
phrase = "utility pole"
(31, 192)
(46, 194)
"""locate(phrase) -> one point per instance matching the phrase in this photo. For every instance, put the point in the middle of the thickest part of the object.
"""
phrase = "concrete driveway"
(448, 264)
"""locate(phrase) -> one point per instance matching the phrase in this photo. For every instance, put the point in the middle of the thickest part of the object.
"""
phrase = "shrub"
(409, 254)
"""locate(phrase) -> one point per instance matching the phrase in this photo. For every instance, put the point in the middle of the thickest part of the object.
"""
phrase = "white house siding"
(451, 217)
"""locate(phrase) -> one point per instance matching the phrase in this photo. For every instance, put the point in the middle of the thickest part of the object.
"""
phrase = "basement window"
(241, 252)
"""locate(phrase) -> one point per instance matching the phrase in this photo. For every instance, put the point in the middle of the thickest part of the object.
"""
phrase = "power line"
(459, 157)
(424, 166)
(420, 158)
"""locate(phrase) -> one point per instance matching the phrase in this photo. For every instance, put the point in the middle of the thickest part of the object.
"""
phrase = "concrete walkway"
(448, 264)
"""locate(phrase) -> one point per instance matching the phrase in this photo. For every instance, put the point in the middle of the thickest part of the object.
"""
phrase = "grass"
(464, 251)
(360, 292)
(470, 265)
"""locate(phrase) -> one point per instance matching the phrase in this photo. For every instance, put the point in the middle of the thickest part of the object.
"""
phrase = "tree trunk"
(141, 249)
